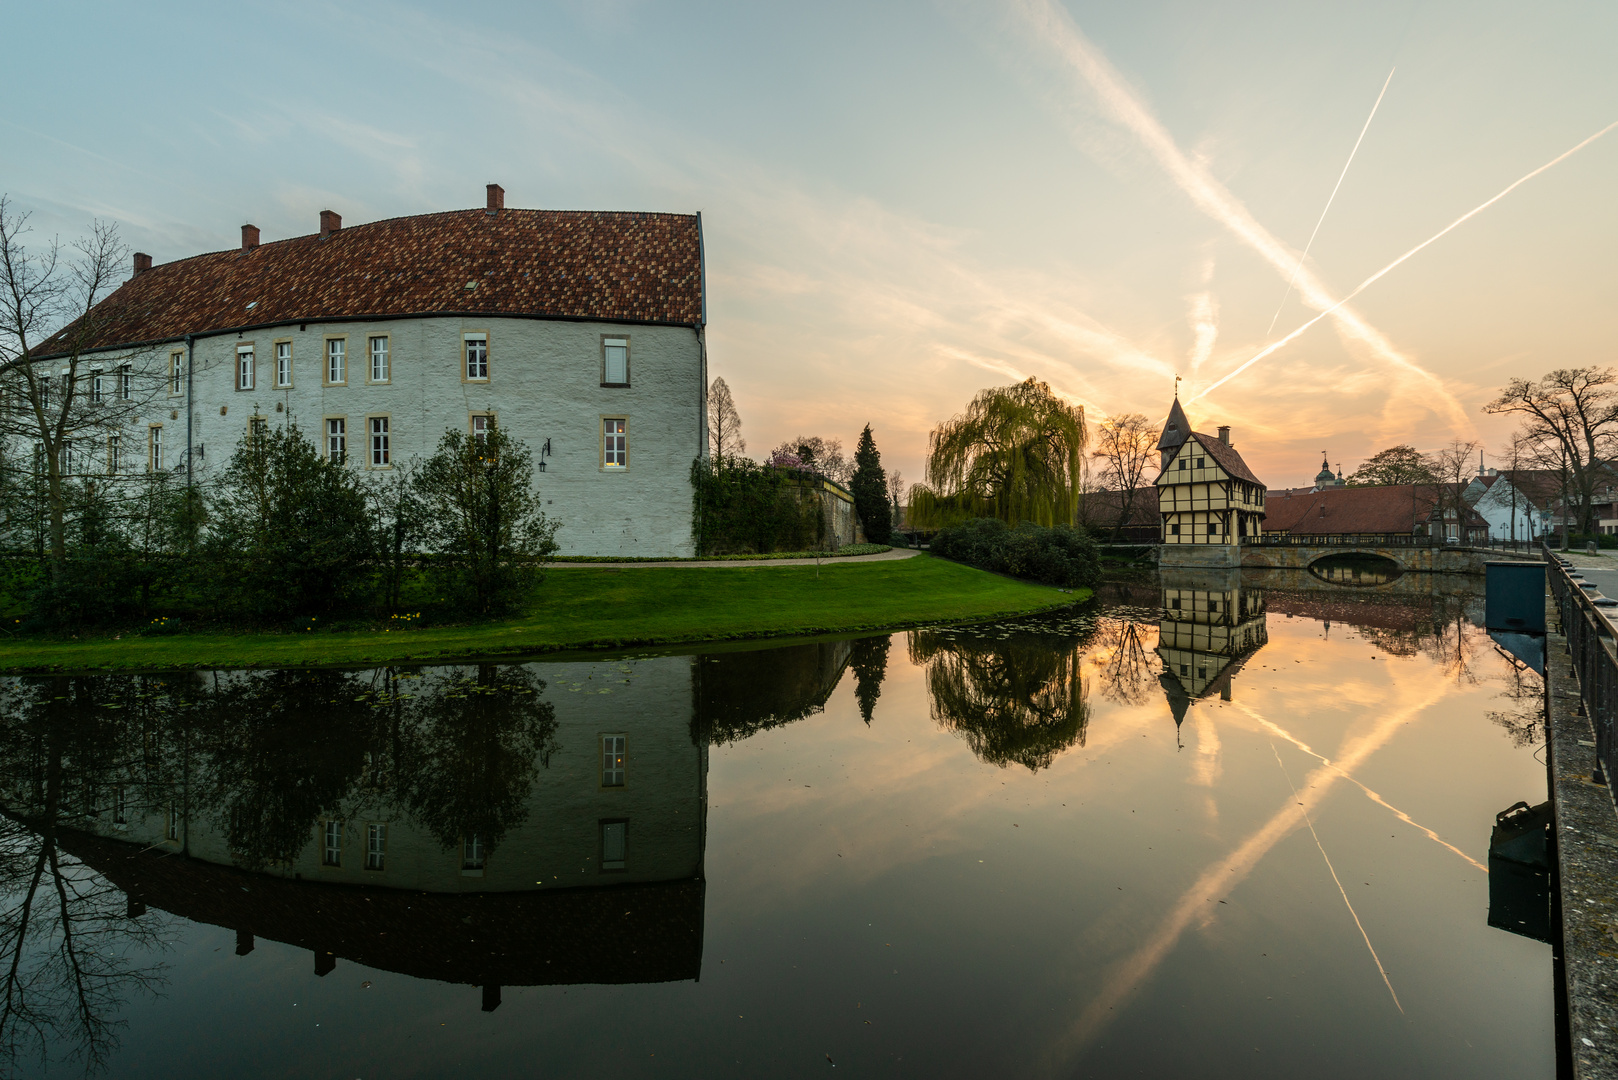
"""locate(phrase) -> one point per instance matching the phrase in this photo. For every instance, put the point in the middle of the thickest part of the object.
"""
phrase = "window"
(336, 365)
(154, 448)
(379, 360)
(176, 372)
(1174, 603)
(614, 842)
(1213, 527)
(337, 439)
(477, 355)
(283, 363)
(612, 761)
(257, 428)
(1213, 606)
(614, 361)
(244, 367)
(126, 379)
(120, 811)
(1185, 669)
(174, 823)
(472, 855)
(376, 845)
(95, 388)
(1174, 529)
(614, 443)
(380, 454)
(1185, 463)
(482, 424)
(331, 853)
(1202, 673)
(64, 457)
(112, 454)
(1202, 463)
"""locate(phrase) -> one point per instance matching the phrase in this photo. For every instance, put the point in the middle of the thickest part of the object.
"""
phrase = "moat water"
(1209, 826)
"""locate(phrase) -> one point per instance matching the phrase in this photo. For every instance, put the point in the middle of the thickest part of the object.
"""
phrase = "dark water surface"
(1208, 827)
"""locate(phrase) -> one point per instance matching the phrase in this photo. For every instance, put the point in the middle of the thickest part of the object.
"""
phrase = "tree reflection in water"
(740, 694)
(1125, 665)
(869, 658)
(1018, 700)
(72, 947)
(264, 756)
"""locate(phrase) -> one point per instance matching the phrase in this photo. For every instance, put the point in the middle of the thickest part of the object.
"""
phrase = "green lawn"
(591, 608)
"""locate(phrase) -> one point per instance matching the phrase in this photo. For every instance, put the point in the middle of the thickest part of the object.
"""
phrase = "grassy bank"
(590, 608)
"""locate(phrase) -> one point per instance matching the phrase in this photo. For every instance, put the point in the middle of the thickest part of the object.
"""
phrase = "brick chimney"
(1224, 434)
(497, 199)
(143, 263)
(249, 237)
(330, 222)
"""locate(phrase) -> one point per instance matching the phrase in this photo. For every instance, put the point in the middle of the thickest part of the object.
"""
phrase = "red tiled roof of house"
(1228, 458)
(1393, 508)
(560, 264)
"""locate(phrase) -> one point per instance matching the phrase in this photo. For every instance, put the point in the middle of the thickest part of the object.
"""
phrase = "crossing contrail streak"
(1310, 822)
(1368, 282)
(1293, 279)
(1275, 729)
(1055, 30)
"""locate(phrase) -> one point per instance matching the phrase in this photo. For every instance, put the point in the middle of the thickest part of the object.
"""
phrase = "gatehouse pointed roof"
(1176, 430)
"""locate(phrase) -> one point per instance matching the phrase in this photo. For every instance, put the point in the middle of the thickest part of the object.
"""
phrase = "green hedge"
(1061, 555)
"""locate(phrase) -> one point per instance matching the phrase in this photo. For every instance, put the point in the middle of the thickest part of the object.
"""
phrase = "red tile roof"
(1227, 457)
(560, 264)
(1383, 508)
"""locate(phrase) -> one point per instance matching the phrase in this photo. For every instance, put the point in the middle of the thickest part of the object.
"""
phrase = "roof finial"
(1176, 388)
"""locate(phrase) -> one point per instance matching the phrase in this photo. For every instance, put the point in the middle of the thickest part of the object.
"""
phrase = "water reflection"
(1016, 698)
(1356, 569)
(1210, 626)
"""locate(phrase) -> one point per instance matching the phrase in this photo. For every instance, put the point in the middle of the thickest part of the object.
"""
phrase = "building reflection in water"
(1209, 626)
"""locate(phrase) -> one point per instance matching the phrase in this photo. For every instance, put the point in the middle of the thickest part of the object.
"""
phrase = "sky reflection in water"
(955, 851)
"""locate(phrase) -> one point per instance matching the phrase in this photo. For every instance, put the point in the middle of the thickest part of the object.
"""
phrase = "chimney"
(143, 263)
(497, 198)
(330, 222)
(1224, 434)
(249, 237)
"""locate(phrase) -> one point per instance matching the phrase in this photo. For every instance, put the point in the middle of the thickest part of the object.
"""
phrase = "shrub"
(744, 507)
(1061, 555)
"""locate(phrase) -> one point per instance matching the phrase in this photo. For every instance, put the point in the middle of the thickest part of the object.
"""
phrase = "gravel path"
(885, 556)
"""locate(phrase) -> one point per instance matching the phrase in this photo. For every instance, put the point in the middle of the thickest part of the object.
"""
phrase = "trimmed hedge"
(1061, 556)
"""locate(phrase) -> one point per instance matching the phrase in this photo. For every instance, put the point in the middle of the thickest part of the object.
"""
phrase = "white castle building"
(580, 333)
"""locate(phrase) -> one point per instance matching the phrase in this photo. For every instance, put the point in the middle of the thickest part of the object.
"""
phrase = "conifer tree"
(870, 490)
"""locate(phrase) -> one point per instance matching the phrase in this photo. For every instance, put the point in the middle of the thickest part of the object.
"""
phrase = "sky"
(905, 203)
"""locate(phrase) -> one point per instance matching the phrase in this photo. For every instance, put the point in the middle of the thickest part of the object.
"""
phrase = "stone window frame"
(176, 372)
(325, 360)
(370, 358)
(618, 866)
(275, 346)
(601, 450)
(154, 448)
(370, 450)
(628, 357)
(325, 434)
(622, 768)
(246, 377)
(469, 335)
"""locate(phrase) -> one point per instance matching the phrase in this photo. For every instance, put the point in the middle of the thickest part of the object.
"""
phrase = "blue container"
(1514, 597)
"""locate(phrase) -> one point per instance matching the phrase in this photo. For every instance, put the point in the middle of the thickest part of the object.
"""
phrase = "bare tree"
(724, 423)
(1576, 410)
(1126, 450)
(52, 394)
(1451, 468)
(896, 493)
(824, 456)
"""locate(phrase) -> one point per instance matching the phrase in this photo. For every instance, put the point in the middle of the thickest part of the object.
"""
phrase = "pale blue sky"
(907, 202)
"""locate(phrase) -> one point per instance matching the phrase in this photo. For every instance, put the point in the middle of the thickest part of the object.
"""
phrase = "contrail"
(1126, 977)
(1275, 729)
(1055, 29)
(1335, 878)
(1268, 349)
(1329, 199)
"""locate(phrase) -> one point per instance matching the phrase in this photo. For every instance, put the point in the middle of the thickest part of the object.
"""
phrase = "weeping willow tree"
(1016, 454)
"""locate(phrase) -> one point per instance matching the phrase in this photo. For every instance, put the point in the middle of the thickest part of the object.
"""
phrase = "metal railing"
(1346, 540)
(1590, 642)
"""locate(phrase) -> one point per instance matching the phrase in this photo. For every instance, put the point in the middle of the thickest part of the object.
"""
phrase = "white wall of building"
(544, 383)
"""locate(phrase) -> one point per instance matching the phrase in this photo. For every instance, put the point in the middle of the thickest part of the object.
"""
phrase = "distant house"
(1206, 495)
(1390, 513)
(1517, 505)
(1127, 517)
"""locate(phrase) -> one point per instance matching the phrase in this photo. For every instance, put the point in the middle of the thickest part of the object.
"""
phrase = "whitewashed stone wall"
(544, 384)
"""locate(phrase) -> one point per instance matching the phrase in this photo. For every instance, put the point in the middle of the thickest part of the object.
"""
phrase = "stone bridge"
(1430, 558)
